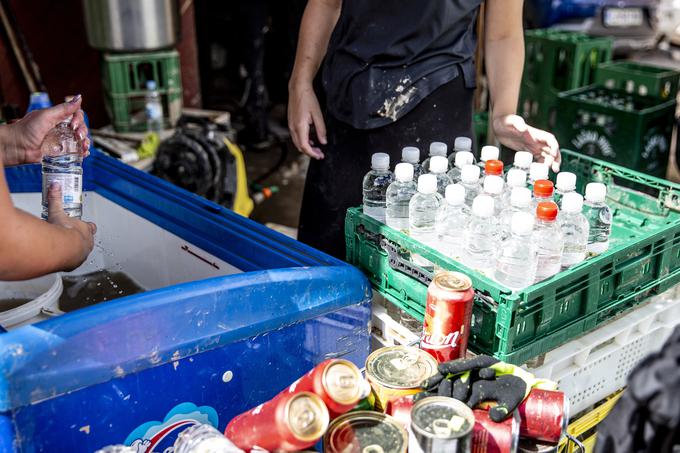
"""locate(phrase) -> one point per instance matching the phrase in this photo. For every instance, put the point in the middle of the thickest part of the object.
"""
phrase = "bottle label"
(71, 186)
(154, 111)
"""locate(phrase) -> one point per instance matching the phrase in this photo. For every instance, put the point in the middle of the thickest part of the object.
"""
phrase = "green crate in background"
(643, 260)
(628, 130)
(481, 129)
(556, 61)
(640, 79)
(127, 112)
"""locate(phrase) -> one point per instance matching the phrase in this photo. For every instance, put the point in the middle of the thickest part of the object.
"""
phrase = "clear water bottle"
(62, 163)
(537, 171)
(481, 237)
(203, 438)
(520, 201)
(469, 179)
(411, 155)
(376, 183)
(493, 187)
(518, 257)
(543, 192)
(515, 178)
(523, 160)
(451, 228)
(492, 168)
(438, 167)
(425, 211)
(436, 149)
(153, 108)
(599, 218)
(548, 240)
(488, 153)
(575, 228)
(399, 194)
(565, 183)
(462, 159)
(460, 144)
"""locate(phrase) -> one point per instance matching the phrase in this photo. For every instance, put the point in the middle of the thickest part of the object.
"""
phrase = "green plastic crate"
(643, 260)
(640, 79)
(626, 129)
(481, 129)
(127, 112)
(556, 61)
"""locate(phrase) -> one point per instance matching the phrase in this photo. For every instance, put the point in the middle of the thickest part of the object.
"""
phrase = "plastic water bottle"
(399, 193)
(451, 228)
(204, 438)
(599, 218)
(376, 183)
(438, 167)
(543, 192)
(460, 144)
(38, 100)
(462, 158)
(436, 149)
(537, 171)
(518, 257)
(565, 183)
(574, 228)
(515, 178)
(411, 155)
(523, 160)
(62, 163)
(481, 236)
(492, 168)
(425, 210)
(520, 201)
(548, 240)
(493, 187)
(153, 108)
(488, 153)
(469, 179)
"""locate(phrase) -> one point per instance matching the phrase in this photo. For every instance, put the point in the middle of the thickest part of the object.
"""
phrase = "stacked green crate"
(124, 78)
(557, 61)
(640, 79)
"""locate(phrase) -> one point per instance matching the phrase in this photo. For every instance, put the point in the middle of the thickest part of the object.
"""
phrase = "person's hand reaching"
(513, 132)
(303, 113)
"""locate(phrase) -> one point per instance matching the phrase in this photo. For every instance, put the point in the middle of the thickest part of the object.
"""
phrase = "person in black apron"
(396, 73)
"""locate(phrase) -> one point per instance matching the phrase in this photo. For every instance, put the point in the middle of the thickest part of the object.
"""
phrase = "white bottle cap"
(482, 206)
(572, 202)
(455, 194)
(596, 192)
(464, 158)
(462, 144)
(490, 153)
(380, 161)
(410, 154)
(438, 164)
(523, 159)
(493, 185)
(403, 172)
(469, 174)
(427, 184)
(438, 149)
(516, 177)
(520, 197)
(538, 171)
(522, 223)
(566, 181)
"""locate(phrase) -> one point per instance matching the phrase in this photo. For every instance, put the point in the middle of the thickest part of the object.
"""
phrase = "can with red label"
(446, 329)
(491, 437)
(289, 422)
(400, 409)
(544, 415)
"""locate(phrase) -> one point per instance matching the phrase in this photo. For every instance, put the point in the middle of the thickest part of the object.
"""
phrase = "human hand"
(304, 111)
(513, 132)
(23, 139)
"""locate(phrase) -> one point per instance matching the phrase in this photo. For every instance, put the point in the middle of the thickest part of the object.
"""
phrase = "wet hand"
(513, 132)
(303, 113)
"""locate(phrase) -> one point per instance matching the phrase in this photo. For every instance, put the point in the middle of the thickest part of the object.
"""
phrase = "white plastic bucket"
(42, 292)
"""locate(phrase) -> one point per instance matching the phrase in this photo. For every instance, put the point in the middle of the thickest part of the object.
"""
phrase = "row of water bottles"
(517, 227)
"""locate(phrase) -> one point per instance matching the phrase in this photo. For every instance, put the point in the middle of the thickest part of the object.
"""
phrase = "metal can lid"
(442, 418)
(365, 432)
(307, 416)
(400, 367)
(452, 281)
(342, 381)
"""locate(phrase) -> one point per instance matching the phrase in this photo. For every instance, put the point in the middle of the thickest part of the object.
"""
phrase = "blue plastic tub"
(140, 369)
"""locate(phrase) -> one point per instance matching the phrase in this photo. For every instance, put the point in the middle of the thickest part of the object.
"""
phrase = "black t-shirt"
(385, 56)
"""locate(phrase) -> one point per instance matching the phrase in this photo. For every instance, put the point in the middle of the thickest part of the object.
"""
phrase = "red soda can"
(446, 328)
(337, 382)
(491, 437)
(544, 415)
(400, 409)
(289, 422)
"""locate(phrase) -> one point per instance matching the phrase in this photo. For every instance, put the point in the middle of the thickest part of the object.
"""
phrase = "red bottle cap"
(493, 167)
(543, 188)
(546, 210)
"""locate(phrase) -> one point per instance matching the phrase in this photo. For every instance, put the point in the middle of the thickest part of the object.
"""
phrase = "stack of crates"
(556, 61)
(124, 78)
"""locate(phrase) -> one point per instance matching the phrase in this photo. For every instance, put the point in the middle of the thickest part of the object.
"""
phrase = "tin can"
(337, 382)
(400, 409)
(365, 432)
(398, 371)
(441, 424)
(289, 422)
(448, 311)
(491, 437)
(544, 415)
(532, 446)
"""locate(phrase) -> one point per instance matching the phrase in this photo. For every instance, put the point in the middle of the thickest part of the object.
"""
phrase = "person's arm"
(504, 58)
(316, 28)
